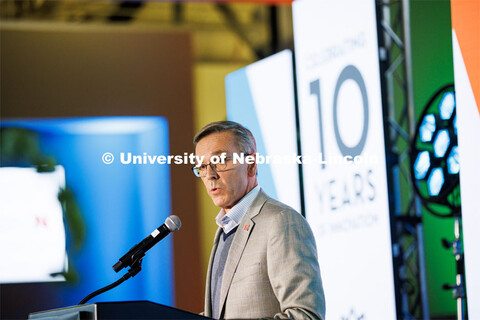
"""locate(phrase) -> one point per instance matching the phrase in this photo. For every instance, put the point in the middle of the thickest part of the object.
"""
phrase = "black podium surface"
(116, 310)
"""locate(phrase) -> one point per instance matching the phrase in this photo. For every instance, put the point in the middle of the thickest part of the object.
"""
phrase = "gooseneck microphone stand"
(132, 272)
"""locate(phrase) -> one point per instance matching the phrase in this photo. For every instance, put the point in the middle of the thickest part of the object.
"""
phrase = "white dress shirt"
(230, 221)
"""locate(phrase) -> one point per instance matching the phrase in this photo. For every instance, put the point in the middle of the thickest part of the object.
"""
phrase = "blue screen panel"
(120, 203)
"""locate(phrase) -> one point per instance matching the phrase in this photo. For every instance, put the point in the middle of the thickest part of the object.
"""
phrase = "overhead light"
(453, 165)
(427, 128)
(441, 143)
(446, 105)
(422, 164)
(435, 181)
(434, 155)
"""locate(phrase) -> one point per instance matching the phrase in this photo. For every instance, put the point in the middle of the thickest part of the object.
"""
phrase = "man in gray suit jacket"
(264, 260)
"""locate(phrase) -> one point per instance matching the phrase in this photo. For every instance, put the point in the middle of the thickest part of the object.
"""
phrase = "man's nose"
(211, 173)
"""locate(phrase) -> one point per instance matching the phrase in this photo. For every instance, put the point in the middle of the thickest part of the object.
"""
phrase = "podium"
(116, 310)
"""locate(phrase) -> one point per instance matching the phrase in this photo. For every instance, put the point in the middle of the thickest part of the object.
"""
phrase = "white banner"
(260, 97)
(341, 124)
(468, 124)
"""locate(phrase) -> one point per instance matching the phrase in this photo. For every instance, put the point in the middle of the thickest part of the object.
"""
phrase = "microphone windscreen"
(173, 223)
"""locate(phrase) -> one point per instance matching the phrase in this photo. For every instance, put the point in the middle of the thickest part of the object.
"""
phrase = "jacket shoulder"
(275, 211)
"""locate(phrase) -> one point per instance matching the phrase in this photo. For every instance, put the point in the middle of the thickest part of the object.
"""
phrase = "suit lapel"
(240, 239)
(208, 292)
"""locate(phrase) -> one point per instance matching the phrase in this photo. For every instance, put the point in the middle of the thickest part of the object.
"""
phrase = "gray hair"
(244, 137)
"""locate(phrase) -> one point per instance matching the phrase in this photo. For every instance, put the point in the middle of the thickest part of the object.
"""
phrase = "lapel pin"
(246, 227)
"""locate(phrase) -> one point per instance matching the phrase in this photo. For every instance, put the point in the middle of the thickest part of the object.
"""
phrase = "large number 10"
(348, 73)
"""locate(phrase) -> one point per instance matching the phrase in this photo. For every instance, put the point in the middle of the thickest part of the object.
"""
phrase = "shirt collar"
(231, 220)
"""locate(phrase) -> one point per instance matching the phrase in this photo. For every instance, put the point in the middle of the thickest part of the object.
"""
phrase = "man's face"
(225, 188)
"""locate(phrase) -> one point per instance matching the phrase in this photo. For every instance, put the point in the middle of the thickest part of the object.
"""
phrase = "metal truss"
(407, 230)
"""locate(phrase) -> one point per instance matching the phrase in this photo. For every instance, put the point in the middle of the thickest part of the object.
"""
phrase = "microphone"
(137, 252)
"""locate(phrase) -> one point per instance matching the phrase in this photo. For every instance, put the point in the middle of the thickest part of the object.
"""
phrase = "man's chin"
(216, 200)
(220, 203)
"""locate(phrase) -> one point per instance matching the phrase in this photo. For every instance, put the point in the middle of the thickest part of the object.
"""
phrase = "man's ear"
(252, 168)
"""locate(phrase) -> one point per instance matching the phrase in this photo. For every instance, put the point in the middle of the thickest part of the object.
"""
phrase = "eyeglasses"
(201, 171)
